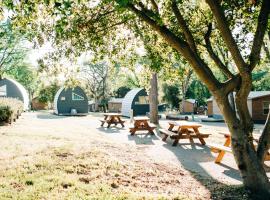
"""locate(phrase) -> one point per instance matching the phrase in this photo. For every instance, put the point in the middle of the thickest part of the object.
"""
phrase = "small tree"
(95, 77)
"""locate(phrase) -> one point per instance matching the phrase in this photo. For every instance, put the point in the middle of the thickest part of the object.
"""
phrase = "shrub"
(5, 113)
(10, 108)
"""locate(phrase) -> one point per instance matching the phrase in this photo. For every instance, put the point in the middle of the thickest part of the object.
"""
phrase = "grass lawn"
(60, 159)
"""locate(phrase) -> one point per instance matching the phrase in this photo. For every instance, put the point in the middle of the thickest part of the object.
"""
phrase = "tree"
(95, 76)
(198, 91)
(169, 20)
(121, 92)
(26, 75)
(171, 95)
(249, 161)
(47, 93)
(11, 50)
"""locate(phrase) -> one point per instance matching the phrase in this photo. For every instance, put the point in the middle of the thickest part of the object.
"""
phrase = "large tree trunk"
(153, 99)
(240, 127)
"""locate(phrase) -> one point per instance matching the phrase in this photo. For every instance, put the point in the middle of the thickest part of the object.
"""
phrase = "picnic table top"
(112, 114)
(141, 118)
(185, 124)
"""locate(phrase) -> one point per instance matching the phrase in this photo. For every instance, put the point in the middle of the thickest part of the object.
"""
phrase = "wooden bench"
(142, 124)
(220, 149)
(112, 118)
(102, 121)
(151, 125)
(167, 133)
(174, 135)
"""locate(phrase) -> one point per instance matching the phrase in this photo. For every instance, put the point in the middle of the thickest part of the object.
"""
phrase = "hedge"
(10, 109)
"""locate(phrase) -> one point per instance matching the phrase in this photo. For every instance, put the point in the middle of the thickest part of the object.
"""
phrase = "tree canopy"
(193, 30)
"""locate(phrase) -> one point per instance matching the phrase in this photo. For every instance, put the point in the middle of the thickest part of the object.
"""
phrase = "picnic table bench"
(142, 124)
(226, 147)
(177, 131)
(112, 118)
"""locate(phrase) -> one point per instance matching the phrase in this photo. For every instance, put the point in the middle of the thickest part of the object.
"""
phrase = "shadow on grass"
(192, 158)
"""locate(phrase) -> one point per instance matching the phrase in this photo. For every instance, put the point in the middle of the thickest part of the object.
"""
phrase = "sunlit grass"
(62, 174)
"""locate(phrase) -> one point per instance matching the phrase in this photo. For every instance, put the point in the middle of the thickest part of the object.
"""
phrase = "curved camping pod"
(13, 89)
(136, 100)
(70, 101)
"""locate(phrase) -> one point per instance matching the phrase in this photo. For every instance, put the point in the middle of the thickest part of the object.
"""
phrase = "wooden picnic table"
(142, 124)
(226, 147)
(112, 118)
(183, 130)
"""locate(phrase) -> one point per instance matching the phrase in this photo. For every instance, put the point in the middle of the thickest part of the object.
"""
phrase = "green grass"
(61, 174)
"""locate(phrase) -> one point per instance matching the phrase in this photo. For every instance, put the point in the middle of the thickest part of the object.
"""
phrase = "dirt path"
(43, 156)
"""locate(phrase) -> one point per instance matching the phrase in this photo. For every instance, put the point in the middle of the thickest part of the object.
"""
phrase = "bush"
(10, 108)
(5, 113)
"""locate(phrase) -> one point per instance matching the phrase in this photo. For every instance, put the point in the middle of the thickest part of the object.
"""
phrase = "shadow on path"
(194, 158)
(142, 138)
(50, 116)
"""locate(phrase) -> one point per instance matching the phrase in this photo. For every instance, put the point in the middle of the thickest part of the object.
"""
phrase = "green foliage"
(262, 84)
(171, 95)
(5, 113)
(47, 94)
(26, 75)
(198, 91)
(11, 50)
(121, 92)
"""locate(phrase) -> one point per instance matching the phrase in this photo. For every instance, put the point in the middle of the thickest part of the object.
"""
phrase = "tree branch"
(212, 54)
(182, 23)
(264, 142)
(182, 47)
(227, 35)
(254, 56)
(155, 6)
(230, 85)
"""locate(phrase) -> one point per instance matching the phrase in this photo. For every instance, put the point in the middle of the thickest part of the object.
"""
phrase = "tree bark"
(251, 169)
(153, 99)
(264, 142)
(231, 100)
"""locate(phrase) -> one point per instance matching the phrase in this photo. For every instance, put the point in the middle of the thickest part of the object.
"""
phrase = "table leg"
(165, 137)
(121, 122)
(170, 127)
(105, 118)
(190, 137)
(133, 131)
(199, 136)
(151, 131)
(176, 140)
(222, 153)
(109, 122)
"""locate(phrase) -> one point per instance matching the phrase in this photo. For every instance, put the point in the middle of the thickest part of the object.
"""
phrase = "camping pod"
(136, 100)
(71, 101)
(13, 89)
